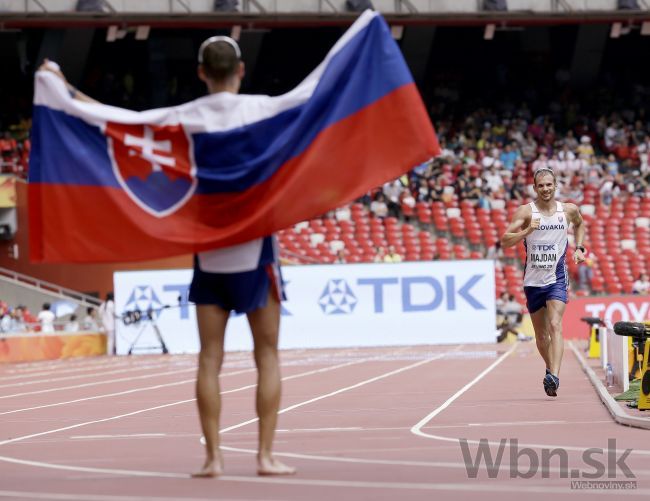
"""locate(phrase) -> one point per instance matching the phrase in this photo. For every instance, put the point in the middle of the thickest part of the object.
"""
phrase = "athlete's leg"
(542, 335)
(554, 323)
(265, 325)
(212, 327)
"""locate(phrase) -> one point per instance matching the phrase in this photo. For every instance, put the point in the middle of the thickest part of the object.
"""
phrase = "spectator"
(642, 285)
(511, 315)
(529, 148)
(46, 318)
(509, 156)
(501, 302)
(541, 162)
(89, 322)
(72, 325)
(107, 318)
(570, 141)
(512, 310)
(392, 192)
(17, 320)
(407, 200)
(5, 318)
(495, 252)
(392, 256)
(378, 207)
(586, 273)
(585, 149)
(607, 190)
(28, 317)
(380, 254)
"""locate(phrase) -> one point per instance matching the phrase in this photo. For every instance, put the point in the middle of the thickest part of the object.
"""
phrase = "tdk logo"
(544, 247)
(143, 298)
(337, 298)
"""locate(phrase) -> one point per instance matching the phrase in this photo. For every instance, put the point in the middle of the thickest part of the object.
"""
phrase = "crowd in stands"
(20, 319)
(484, 172)
(488, 161)
(14, 149)
(487, 158)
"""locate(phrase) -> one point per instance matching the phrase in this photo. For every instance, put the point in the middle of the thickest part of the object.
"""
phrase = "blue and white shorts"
(242, 292)
(536, 297)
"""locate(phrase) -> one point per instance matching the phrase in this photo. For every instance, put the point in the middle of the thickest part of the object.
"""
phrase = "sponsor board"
(611, 309)
(443, 302)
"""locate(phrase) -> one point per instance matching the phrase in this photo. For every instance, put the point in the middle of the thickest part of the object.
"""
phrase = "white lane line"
(337, 392)
(398, 462)
(98, 383)
(353, 460)
(60, 496)
(131, 435)
(417, 428)
(95, 374)
(317, 483)
(319, 430)
(97, 397)
(69, 367)
(176, 475)
(166, 385)
(87, 469)
(517, 423)
(103, 420)
(116, 394)
(178, 367)
(112, 418)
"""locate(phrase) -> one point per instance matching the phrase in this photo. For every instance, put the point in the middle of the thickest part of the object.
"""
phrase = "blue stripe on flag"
(75, 151)
(235, 160)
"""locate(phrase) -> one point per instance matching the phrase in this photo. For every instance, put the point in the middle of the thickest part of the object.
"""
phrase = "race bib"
(543, 256)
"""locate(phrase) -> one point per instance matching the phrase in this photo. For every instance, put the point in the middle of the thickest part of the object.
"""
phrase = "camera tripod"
(156, 331)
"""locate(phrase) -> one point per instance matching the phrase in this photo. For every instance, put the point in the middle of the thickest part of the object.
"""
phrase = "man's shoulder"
(524, 209)
(570, 207)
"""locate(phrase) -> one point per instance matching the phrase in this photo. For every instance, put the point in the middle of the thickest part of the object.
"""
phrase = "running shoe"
(551, 384)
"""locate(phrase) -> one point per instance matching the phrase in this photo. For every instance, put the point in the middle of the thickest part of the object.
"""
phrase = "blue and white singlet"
(546, 249)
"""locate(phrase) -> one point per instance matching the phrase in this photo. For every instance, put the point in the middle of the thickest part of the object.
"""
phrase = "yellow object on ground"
(594, 343)
(644, 391)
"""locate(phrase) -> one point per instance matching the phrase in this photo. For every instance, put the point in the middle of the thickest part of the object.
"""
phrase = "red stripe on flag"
(375, 145)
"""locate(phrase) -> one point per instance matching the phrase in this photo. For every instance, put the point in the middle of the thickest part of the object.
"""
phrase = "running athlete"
(543, 227)
(244, 278)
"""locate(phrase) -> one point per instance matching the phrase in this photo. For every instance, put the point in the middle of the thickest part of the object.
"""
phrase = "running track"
(376, 424)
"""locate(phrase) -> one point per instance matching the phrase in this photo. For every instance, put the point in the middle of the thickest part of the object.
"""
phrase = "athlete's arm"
(574, 216)
(518, 230)
(76, 94)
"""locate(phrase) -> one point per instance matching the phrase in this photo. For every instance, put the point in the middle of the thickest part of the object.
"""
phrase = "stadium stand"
(458, 205)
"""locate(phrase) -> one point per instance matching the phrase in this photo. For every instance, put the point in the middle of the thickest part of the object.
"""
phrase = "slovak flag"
(109, 184)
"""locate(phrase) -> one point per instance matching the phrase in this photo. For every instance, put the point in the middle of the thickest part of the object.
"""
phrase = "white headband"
(219, 38)
(541, 170)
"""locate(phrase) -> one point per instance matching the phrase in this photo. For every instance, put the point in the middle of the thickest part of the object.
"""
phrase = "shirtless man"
(543, 227)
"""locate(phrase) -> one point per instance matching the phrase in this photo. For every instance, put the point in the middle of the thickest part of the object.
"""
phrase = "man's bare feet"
(268, 465)
(211, 469)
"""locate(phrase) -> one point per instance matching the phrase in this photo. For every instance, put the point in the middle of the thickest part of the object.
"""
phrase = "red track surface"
(380, 424)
